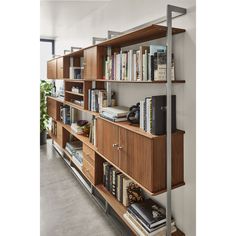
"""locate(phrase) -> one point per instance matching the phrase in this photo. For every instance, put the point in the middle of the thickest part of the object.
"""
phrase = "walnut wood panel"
(98, 169)
(93, 58)
(88, 170)
(141, 35)
(52, 69)
(63, 64)
(107, 136)
(59, 136)
(159, 162)
(89, 154)
(135, 157)
(53, 108)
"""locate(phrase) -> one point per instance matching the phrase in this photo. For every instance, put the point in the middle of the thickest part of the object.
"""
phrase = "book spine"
(110, 179)
(114, 182)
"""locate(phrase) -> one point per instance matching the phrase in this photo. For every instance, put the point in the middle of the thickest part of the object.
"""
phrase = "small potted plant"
(45, 90)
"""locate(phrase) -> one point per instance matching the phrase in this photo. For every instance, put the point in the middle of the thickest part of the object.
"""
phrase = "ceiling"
(57, 16)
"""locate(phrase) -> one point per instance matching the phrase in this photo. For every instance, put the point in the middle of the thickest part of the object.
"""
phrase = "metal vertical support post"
(170, 9)
(168, 121)
(108, 84)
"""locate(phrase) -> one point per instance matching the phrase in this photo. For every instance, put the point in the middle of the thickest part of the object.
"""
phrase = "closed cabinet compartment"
(59, 136)
(52, 69)
(107, 140)
(141, 157)
(93, 62)
(135, 156)
(52, 108)
(63, 64)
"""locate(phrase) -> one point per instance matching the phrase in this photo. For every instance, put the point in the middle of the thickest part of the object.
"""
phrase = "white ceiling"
(56, 16)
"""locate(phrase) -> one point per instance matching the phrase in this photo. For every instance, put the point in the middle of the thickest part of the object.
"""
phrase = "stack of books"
(75, 150)
(148, 63)
(120, 186)
(153, 114)
(148, 218)
(116, 114)
(97, 99)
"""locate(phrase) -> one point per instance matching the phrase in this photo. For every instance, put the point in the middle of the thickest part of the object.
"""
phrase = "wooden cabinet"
(93, 59)
(63, 64)
(58, 68)
(53, 108)
(52, 69)
(140, 157)
(108, 140)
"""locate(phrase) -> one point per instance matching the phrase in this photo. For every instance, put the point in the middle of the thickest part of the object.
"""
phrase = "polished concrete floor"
(66, 207)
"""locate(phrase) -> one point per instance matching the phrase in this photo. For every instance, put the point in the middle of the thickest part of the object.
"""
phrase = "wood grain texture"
(52, 69)
(141, 35)
(53, 108)
(93, 58)
(106, 139)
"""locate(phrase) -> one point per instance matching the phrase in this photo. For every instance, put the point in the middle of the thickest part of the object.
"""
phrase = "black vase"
(43, 137)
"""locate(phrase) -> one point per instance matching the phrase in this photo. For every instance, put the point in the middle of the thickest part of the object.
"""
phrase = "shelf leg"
(170, 9)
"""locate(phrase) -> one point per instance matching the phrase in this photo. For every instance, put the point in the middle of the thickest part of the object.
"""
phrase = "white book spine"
(141, 114)
(134, 67)
(149, 67)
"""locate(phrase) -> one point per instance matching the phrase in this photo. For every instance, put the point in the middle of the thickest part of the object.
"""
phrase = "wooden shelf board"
(74, 93)
(145, 34)
(140, 82)
(120, 209)
(78, 53)
(57, 99)
(74, 80)
(81, 108)
(145, 189)
(134, 128)
(81, 137)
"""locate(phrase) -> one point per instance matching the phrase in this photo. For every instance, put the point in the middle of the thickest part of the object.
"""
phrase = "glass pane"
(45, 55)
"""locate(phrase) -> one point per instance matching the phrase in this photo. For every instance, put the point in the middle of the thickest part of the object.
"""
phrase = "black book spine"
(104, 173)
(110, 179)
(152, 67)
(107, 177)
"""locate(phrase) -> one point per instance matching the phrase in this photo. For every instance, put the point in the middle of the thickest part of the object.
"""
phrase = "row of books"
(97, 99)
(75, 150)
(146, 64)
(148, 218)
(65, 114)
(153, 114)
(53, 127)
(120, 186)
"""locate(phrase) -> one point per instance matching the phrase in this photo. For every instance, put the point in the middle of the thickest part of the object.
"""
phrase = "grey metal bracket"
(66, 51)
(170, 9)
(95, 39)
(72, 49)
(111, 33)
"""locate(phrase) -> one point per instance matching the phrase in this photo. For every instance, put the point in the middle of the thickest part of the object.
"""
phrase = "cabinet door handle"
(119, 148)
(114, 145)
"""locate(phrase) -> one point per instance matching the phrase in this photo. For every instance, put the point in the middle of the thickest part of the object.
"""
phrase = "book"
(114, 183)
(107, 177)
(126, 182)
(116, 111)
(138, 227)
(118, 187)
(141, 117)
(149, 212)
(110, 179)
(114, 119)
(105, 165)
(135, 193)
(159, 114)
(142, 51)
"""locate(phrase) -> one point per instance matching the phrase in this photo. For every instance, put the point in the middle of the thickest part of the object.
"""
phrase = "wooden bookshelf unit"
(141, 156)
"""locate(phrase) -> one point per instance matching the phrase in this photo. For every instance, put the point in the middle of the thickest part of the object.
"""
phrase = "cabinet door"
(90, 63)
(135, 156)
(51, 69)
(107, 140)
(52, 108)
(60, 68)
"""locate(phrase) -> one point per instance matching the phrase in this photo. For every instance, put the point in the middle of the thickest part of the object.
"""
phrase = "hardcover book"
(150, 212)
(134, 193)
(159, 114)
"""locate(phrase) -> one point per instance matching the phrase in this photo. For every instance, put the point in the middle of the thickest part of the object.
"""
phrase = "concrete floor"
(66, 207)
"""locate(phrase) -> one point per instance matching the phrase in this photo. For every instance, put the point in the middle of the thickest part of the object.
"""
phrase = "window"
(47, 49)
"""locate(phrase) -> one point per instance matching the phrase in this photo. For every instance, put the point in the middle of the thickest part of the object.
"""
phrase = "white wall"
(122, 15)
